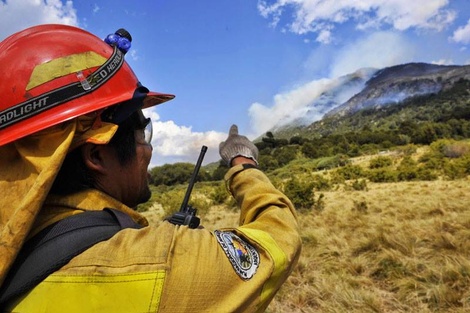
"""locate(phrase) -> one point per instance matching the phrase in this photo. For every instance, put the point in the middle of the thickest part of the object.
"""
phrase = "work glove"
(237, 145)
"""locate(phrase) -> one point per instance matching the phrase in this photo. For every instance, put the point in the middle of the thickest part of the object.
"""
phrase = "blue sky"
(252, 62)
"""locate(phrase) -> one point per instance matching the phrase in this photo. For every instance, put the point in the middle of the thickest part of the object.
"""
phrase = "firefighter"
(74, 145)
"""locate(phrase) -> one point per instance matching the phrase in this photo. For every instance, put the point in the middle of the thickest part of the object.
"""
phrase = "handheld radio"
(187, 215)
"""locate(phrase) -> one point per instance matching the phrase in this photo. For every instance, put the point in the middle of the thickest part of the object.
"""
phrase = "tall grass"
(395, 247)
(372, 247)
(408, 251)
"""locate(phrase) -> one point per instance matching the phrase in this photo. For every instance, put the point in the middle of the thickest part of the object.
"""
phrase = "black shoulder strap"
(57, 244)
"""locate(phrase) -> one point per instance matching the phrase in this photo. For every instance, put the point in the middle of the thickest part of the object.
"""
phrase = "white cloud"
(172, 143)
(16, 15)
(323, 15)
(377, 50)
(133, 54)
(404, 14)
(462, 34)
(289, 105)
(324, 36)
(444, 62)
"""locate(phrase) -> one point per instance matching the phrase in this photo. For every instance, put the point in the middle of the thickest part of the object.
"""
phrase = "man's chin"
(145, 196)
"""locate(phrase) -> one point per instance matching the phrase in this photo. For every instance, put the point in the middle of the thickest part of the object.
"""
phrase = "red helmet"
(53, 73)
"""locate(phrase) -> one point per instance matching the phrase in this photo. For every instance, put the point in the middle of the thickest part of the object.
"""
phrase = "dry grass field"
(397, 247)
(392, 247)
(401, 247)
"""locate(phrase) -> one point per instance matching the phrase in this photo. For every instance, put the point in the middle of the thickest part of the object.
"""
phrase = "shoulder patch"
(242, 255)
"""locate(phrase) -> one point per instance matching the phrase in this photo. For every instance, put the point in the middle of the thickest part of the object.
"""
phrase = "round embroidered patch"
(244, 258)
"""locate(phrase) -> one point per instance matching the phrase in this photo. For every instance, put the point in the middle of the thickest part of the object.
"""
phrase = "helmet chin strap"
(48, 100)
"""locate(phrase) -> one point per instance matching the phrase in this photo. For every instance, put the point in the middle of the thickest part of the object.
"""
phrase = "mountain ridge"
(384, 87)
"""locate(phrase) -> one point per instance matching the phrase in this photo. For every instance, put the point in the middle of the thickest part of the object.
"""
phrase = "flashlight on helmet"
(121, 39)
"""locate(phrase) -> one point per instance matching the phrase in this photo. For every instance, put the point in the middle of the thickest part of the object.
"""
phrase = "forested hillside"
(382, 199)
(417, 121)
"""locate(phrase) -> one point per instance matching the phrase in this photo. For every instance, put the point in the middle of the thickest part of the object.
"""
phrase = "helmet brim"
(155, 98)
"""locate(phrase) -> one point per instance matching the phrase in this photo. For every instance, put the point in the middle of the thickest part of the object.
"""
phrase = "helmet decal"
(66, 65)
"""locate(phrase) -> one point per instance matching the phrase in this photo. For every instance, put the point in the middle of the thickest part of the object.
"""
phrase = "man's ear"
(94, 157)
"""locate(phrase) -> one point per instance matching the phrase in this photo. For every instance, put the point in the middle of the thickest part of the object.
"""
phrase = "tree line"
(419, 121)
(275, 153)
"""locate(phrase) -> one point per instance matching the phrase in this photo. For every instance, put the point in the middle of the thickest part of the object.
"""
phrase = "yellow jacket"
(170, 268)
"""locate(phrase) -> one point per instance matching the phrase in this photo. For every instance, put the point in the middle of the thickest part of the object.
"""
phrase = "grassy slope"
(400, 247)
(395, 247)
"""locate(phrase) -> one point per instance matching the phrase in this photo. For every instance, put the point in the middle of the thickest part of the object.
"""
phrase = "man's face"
(138, 187)
(129, 183)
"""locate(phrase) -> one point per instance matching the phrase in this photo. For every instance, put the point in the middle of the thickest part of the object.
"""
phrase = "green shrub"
(407, 170)
(426, 174)
(285, 154)
(336, 178)
(454, 170)
(359, 184)
(407, 174)
(353, 151)
(407, 162)
(220, 194)
(171, 174)
(408, 149)
(311, 150)
(267, 163)
(432, 161)
(403, 140)
(369, 148)
(156, 192)
(382, 176)
(297, 140)
(443, 147)
(332, 162)
(321, 183)
(300, 193)
(380, 162)
(351, 172)
(171, 200)
(201, 203)
(465, 163)
(220, 171)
